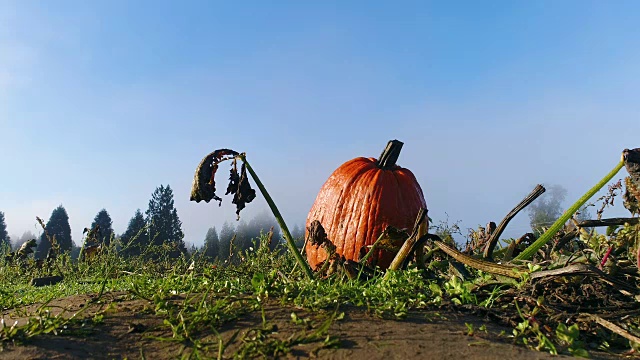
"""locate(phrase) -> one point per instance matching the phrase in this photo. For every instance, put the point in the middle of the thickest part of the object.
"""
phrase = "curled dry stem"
(495, 235)
(204, 188)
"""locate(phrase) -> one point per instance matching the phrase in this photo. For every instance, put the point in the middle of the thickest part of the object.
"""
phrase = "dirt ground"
(128, 326)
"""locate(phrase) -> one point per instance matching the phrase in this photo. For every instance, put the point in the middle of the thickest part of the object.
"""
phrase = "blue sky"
(103, 101)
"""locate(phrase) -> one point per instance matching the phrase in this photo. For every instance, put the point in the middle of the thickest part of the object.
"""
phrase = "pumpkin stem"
(390, 155)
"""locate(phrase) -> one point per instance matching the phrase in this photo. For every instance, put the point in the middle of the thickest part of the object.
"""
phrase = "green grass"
(210, 295)
(195, 298)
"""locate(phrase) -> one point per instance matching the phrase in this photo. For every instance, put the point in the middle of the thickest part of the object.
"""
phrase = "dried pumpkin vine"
(204, 188)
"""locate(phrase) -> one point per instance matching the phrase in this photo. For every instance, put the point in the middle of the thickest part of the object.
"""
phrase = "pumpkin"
(359, 200)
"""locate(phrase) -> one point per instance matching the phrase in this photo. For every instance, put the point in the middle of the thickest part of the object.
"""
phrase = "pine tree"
(226, 234)
(211, 243)
(243, 237)
(58, 226)
(262, 224)
(135, 239)
(192, 249)
(164, 224)
(4, 235)
(105, 227)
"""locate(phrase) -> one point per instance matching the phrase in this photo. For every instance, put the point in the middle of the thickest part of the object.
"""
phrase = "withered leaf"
(632, 163)
(234, 179)
(204, 185)
(240, 188)
(631, 196)
(317, 236)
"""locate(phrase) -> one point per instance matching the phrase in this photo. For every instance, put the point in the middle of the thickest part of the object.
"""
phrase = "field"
(262, 305)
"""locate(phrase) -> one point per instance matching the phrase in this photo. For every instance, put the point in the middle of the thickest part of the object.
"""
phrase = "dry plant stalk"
(511, 271)
(52, 240)
(204, 188)
(495, 235)
(420, 228)
(612, 327)
(528, 253)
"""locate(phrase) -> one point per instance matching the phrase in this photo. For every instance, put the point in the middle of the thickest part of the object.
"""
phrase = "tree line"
(159, 227)
(231, 240)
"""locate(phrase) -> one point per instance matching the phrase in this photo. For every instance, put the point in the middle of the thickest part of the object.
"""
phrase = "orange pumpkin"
(360, 199)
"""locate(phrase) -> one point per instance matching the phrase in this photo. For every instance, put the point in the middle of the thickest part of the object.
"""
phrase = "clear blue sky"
(102, 101)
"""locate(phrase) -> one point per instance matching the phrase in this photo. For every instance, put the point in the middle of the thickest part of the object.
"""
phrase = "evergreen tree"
(4, 235)
(262, 224)
(211, 243)
(164, 224)
(243, 237)
(135, 239)
(192, 249)
(58, 226)
(226, 234)
(249, 232)
(105, 227)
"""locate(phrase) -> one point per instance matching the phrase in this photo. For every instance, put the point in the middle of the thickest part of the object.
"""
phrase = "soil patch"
(129, 328)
